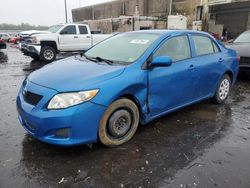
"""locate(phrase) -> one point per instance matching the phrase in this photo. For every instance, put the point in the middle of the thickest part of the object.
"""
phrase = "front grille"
(32, 98)
(245, 60)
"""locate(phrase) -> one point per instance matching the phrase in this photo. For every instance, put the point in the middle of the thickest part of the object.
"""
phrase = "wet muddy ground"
(204, 145)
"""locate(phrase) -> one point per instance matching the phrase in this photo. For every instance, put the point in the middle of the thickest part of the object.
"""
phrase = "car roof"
(248, 31)
(168, 31)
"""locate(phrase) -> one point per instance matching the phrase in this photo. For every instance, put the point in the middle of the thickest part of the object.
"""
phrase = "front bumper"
(30, 50)
(244, 63)
(81, 122)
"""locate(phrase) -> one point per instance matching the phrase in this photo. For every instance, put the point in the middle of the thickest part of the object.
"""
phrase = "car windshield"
(54, 28)
(124, 48)
(243, 38)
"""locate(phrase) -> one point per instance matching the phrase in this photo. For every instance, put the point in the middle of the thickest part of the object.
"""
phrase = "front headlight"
(34, 40)
(65, 100)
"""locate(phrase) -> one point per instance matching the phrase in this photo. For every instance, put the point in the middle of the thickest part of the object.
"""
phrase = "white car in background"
(5, 36)
(69, 37)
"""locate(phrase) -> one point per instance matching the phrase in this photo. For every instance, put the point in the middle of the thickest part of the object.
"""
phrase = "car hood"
(44, 35)
(73, 74)
(242, 49)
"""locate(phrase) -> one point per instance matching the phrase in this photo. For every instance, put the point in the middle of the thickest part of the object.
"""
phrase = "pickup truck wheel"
(48, 54)
(223, 90)
(119, 123)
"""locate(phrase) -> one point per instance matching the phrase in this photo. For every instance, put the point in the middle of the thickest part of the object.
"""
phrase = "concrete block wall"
(104, 25)
(107, 10)
(149, 8)
(248, 22)
(187, 8)
(121, 7)
(158, 8)
(124, 24)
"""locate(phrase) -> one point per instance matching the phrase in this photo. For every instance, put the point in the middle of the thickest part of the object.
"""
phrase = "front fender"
(132, 82)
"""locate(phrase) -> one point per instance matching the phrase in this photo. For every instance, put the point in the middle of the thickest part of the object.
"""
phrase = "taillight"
(238, 58)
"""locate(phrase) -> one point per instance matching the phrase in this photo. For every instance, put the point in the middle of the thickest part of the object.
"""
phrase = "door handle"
(221, 60)
(75, 37)
(88, 37)
(191, 67)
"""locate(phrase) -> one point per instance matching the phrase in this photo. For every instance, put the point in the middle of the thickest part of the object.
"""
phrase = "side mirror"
(161, 61)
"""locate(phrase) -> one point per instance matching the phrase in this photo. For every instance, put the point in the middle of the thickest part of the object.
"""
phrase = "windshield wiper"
(105, 60)
(89, 58)
(97, 59)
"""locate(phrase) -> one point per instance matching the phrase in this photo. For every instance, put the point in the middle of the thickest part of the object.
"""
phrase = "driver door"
(68, 38)
(172, 87)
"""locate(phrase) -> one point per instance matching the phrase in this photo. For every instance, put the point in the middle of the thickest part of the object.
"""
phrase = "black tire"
(48, 54)
(119, 123)
(223, 90)
(36, 58)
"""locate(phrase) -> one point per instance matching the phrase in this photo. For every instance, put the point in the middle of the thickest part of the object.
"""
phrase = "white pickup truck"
(69, 37)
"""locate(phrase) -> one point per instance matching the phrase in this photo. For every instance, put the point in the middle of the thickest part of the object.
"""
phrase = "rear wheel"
(48, 54)
(223, 90)
(119, 123)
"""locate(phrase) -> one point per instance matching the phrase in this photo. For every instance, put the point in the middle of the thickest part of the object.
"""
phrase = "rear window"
(83, 30)
(204, 45)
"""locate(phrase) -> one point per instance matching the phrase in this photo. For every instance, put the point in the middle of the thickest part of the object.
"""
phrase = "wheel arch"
(132, 98)
(230, 74)
(50, 43)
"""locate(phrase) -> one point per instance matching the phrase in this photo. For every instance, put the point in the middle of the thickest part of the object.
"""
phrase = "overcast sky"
(39, 12)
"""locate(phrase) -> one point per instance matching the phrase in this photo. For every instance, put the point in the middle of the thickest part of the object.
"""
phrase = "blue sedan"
(126, 80)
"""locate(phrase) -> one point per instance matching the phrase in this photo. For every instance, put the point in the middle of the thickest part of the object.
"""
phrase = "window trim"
(212, 42)
(171, 37)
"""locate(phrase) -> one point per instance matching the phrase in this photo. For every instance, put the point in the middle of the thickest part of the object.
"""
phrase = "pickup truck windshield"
(125, 48)
(54, 28)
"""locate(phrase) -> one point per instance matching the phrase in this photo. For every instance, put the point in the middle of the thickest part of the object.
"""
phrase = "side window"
(203, 45)
(83, 30)
(177, 48)
(69, 30)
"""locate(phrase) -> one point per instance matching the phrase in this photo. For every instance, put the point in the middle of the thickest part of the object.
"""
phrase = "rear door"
(68, 38)
(84, 36)
(207, 61)
(172, 87)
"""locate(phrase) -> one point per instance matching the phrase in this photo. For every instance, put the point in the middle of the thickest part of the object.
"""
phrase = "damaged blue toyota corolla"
(126, 80)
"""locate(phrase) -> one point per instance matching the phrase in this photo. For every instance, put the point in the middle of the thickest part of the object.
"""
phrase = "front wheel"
(35, 58)
(223, 90)
(119, 123)
(48, 54)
